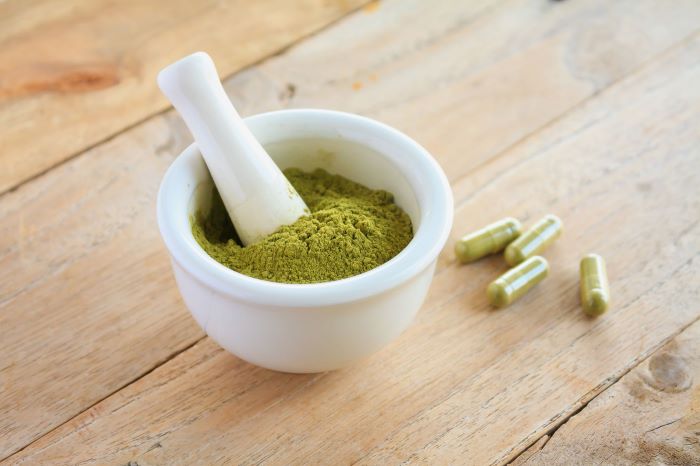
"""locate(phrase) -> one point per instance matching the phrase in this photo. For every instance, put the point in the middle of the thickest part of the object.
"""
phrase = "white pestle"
(257, 196)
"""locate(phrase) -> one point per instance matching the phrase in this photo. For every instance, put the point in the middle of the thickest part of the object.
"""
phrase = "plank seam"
(615, 82)
(158, 364)
(550, 433)
(277, 52)
(607, 383)
(512, 350)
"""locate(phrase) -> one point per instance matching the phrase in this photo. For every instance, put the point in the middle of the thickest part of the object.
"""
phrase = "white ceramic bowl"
(324, 326)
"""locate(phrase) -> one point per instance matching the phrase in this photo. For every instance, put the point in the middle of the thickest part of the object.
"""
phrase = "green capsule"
(533, 241)
(517, 281)
(595, 292)
(491, 239)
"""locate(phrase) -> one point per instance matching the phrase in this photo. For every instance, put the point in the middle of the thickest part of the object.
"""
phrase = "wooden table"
(589, 109)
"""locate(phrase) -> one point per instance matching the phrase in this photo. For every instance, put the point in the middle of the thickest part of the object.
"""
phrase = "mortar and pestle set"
(299, 328)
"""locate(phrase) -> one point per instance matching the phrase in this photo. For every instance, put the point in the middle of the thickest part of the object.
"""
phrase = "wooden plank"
(475, 78)
(93, 254)
(73, 73)
(464, 384)
(651, 416)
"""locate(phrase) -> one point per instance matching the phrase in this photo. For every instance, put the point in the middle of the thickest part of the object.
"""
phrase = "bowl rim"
(417, 165)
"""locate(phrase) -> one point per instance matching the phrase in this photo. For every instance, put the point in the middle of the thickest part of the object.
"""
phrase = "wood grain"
(86, 288)
(73, 73)
(476, 78)
(465, 384)
(651, 416)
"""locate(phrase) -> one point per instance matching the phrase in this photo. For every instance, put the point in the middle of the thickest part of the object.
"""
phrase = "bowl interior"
(350, 159)
(358, 148)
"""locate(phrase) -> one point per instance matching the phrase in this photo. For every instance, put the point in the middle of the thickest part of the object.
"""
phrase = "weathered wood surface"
(86, 286)
(651, 416)
(74, 72)
(71, 74)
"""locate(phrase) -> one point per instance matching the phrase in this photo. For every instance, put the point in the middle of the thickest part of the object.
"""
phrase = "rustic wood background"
(589, 109)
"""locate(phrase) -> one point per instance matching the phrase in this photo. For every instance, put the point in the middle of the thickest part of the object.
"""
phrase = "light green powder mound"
(351, 229)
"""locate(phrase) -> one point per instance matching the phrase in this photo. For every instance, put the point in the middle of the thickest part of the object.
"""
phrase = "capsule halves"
(595, 291)
(517, 281)
(491, 239)
(533, 241)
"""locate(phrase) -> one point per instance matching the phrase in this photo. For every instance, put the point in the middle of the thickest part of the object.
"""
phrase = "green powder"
(351, 230)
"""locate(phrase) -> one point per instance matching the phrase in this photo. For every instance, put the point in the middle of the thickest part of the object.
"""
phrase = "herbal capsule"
(595, 292)
(491, 239)
(533, 241)
(517, 281)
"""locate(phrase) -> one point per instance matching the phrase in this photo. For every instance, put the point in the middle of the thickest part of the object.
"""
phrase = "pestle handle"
(257, 196)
